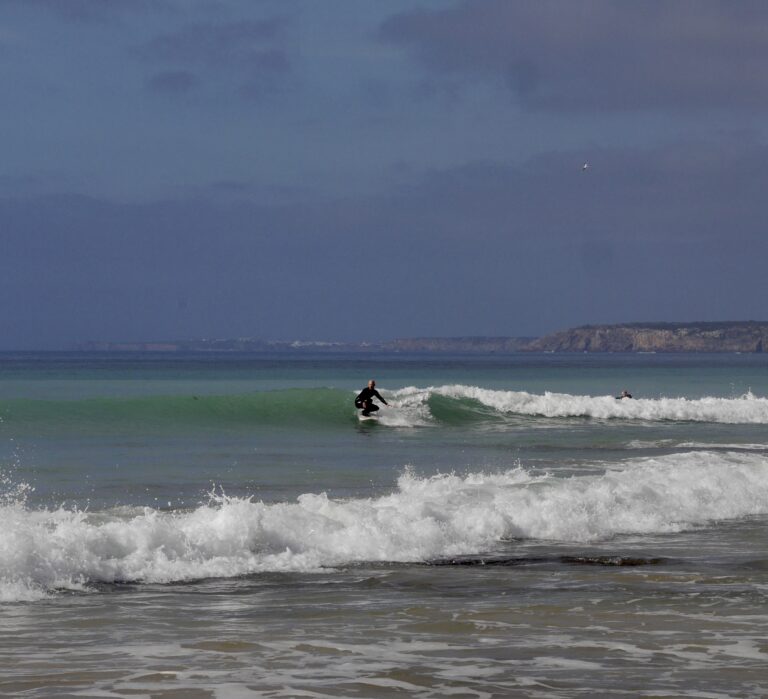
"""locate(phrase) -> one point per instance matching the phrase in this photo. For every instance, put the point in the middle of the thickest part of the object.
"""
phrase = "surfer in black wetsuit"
(624, 394)
(364, 400)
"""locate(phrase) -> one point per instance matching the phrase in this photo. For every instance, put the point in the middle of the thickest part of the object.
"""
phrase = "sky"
(359, 170)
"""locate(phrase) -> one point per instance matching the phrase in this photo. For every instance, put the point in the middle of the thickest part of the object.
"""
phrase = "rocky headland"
(746, 336)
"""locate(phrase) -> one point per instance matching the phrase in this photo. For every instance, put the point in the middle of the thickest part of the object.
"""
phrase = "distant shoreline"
(455, 345)
(704, 337)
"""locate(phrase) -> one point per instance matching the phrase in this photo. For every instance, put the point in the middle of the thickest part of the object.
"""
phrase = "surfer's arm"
(378, 395)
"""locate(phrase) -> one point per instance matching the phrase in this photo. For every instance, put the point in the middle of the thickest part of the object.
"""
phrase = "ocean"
(223, 526)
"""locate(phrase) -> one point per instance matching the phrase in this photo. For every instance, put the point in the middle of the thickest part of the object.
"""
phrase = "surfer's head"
(371, 384)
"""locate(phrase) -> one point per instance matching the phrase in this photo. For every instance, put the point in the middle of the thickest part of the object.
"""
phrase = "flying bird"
(584, 167)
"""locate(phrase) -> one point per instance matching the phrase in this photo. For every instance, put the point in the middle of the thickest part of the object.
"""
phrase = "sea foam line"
(425, 518)
(747, 409)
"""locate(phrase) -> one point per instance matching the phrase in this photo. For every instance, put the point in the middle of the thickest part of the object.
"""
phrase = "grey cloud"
(593, 55)
(264, 69)
(674, 233)
(39, 182)
(249, 49)
(685, 191)
(90, 10)
(234, 43)
(173, 82)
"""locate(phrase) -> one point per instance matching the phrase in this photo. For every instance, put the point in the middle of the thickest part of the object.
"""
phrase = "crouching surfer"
(364, 400)
(624, 394)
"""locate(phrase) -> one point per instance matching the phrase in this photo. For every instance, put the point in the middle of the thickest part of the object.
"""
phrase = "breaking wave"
(330, 408)
(466, 403)
(42, 551)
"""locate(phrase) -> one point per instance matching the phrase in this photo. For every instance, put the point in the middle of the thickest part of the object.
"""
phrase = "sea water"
(224, 526)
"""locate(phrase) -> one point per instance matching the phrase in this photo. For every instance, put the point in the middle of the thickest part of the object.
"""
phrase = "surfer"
(364, 400)
(624, 394)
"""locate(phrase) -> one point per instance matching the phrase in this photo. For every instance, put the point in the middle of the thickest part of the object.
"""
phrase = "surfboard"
(367, 418)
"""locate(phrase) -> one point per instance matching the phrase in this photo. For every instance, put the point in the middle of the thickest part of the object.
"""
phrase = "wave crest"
(747, 409)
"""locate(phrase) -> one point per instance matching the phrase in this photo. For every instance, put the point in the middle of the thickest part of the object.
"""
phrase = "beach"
(223, 526)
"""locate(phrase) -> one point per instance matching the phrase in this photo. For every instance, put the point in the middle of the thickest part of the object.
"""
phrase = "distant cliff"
(746, 336)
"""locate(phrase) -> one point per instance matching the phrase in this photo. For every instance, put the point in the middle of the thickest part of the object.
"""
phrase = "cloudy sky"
(368, 169)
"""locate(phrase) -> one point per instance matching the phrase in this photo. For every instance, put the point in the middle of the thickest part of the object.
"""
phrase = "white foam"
(406, 409)
(671, 443)
(426, 518)
(747, 409)
(730, 445)
(649, 444)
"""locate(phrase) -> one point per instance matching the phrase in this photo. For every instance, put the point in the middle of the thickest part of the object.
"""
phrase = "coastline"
(647, 338)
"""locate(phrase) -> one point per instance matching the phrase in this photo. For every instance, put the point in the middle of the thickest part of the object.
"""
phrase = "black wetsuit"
(365, 400)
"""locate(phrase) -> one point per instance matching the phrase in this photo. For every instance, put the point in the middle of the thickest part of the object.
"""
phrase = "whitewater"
(425, 519)
(747, 408)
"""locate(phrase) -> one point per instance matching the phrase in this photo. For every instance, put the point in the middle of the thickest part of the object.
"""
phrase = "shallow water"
(225, 527)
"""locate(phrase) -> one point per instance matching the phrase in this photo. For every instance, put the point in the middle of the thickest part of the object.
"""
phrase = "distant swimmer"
(624, 394)
(364, 400)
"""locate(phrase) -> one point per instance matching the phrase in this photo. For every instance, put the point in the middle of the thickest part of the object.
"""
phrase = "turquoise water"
(225, 526)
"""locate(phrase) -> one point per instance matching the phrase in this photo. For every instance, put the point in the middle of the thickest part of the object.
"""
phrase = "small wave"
(730, 446)
(424, 519)
(674, 444)
(650, 444)
(318, 406)
(327, 408)
(747, 409)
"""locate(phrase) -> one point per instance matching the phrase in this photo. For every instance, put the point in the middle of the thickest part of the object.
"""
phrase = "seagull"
(584, 167)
